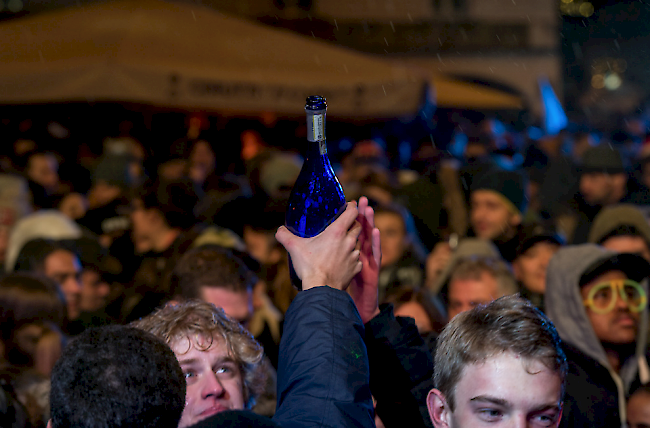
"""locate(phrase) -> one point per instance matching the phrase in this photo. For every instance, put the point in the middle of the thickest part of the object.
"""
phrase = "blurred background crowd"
(93, 234)
(475, 183)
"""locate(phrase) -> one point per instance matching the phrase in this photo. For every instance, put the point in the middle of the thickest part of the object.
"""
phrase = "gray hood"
(564, 305)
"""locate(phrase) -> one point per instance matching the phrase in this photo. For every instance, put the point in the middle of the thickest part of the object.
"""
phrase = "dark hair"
(117, 376)
(26, 298)
(210, 266)
(175, 200)
(32, 255)
(433, 307)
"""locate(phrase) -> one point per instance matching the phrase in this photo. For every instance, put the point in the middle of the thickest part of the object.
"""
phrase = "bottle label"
(316, 127)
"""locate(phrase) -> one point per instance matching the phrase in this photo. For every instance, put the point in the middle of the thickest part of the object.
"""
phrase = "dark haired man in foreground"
(117, 377)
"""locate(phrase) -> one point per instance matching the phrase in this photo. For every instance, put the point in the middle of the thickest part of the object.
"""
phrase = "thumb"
(283, 236)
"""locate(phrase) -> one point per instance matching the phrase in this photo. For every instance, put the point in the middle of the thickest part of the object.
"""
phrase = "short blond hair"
(509, 324)
(195, 318)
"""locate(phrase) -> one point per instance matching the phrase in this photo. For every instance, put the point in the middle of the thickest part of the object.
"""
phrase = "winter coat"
(323, 372)
(401, 370)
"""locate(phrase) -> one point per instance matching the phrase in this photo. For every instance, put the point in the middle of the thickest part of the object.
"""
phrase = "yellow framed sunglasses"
(602, 297)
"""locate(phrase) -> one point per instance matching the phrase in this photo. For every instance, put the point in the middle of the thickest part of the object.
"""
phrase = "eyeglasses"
(602, 298)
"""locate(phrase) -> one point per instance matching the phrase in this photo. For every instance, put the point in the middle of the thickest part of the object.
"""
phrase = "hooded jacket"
(595, 394)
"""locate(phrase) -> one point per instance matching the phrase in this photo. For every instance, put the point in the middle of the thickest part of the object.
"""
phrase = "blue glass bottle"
(317, 198)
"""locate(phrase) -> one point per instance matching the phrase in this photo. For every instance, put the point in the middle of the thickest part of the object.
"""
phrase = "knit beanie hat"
(619, 220)
(509, 184)
(532, 234)
(603, 158)
(115, 170)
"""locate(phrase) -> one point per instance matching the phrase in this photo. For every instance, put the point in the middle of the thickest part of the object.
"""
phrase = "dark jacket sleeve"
(401, 370)
(323, 374)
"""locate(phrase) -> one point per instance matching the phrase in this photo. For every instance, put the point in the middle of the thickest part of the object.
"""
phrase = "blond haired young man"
(221, 361)
(498, 365)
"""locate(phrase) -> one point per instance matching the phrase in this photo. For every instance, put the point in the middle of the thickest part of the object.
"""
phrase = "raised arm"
(323, 373)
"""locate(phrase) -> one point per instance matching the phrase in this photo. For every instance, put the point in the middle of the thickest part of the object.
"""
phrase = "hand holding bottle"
(329, 258)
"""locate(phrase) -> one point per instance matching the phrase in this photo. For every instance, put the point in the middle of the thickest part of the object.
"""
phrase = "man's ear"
(49, 423)
(439, 411)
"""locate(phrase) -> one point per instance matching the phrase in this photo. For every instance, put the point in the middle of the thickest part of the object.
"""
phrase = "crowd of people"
(155, 290)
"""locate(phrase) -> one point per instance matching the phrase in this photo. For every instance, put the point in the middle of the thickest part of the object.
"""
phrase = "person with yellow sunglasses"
(603, 298)
(597, 300)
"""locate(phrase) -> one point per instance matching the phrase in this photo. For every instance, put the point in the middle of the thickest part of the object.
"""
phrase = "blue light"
(555, 119)
(457, 146)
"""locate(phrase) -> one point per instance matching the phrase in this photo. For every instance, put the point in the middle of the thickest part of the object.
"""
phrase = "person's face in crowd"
(620, 325)
(201, 162)
(262, 246)
(43, 169)
(638, 410)
(251, 144)
(465, 294)
(143, 222)
(236, 305)
(416, 311)
(94, 291)
(503, 391)
(214, 379)
(63, 267)
(628, 244)
(598, 188)
(74, 206)
(530, 267)
(34, 345)
(393, 237)
(490, 216)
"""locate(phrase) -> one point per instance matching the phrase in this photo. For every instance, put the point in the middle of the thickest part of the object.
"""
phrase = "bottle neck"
(316, 149)
(316, 125)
